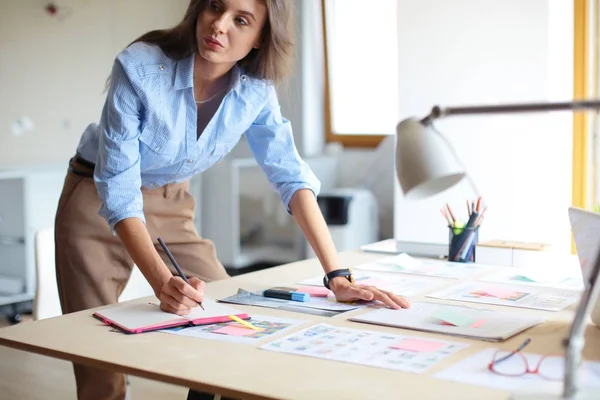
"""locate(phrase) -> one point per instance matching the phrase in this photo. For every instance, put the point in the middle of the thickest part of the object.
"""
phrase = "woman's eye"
(214, 6)
(241, 21)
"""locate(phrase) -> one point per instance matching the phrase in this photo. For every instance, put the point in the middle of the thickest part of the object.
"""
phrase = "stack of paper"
(375, 349)
(406, 264)
(550, 277)
(526, 296)
(461, 321)
(407, 286)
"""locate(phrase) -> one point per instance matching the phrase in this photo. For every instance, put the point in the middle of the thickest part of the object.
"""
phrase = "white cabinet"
(28, 200)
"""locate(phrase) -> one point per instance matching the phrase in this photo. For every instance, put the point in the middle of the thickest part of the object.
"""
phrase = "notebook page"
(138, 316)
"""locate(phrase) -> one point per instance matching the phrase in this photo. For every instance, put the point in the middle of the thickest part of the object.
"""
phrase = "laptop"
(585, 226)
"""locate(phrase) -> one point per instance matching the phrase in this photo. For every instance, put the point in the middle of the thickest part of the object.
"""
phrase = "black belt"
(84, 163)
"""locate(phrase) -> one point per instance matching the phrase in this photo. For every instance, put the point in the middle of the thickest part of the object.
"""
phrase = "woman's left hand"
(344, 290)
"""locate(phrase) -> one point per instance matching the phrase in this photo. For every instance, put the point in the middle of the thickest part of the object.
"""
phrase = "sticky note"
(499, 292)
(523, 278)
(235, 330)
(418, 345)
(314, 291)
(477, 324)
(452, 317)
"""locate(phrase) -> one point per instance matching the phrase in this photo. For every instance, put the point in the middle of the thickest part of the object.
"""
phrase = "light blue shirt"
(147, 134)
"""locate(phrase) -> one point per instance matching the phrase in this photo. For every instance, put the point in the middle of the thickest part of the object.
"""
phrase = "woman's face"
(227, 30)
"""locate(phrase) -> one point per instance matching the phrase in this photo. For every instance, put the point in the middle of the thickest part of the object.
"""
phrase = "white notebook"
(463, 321)
(144, 317)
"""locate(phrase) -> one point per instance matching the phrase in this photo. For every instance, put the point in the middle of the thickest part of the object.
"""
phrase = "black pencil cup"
(462, 244)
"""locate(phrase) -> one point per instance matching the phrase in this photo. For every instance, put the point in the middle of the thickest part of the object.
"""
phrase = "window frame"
(352, 141)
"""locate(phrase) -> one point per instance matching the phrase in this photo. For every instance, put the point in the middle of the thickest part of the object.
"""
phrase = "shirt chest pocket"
(157, 148)
(159, 141)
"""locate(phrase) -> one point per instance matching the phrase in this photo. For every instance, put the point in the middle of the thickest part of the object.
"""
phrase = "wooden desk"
(247, 372)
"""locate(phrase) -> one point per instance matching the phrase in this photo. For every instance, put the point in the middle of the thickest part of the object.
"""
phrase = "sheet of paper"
(419, 345)
(364, 347)
(525, 296)
(403, 263)
(234, 332)
(568, 279)
(458, 320)
(388, 246)
(474, 371)
(372, 282)
(402, 285)
(500, 292)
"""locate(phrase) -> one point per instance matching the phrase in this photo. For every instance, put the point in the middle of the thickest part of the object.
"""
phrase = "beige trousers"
(93, 267)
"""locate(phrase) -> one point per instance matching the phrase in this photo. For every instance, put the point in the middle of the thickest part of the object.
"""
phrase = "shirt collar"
(184, 75)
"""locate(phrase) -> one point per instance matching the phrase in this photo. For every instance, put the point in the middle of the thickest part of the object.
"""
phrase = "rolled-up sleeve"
(117, 173)
(271, 140)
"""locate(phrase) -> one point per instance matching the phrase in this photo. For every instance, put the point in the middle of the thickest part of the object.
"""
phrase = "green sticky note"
(452, 317)
(523, 278)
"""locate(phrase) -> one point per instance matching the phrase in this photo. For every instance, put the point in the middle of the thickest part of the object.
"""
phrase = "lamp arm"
(439, 112)
(575, 341)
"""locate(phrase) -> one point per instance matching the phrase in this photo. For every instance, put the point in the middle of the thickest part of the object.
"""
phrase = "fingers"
(362, 292)
(183, 293)
(389, 299)
(198, 284)
(169, 304)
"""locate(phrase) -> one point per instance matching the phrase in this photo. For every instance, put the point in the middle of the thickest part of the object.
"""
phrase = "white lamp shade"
(425, 163)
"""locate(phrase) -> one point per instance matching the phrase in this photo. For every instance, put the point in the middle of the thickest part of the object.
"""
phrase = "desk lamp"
(426, 164)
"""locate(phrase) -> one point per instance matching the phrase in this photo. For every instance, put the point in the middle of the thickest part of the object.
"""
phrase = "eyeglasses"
(514, 363)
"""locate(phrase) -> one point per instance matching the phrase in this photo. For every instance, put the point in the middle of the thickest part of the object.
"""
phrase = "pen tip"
(201, 306)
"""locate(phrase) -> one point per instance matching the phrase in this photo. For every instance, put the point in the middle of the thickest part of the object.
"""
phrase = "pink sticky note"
(235, 330)
(477, 324)
(371, 282)
(314, 291)
(418, 345)
(499, 292)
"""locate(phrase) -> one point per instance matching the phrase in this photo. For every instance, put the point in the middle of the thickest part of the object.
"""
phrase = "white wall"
(467, 52)
(54, 68)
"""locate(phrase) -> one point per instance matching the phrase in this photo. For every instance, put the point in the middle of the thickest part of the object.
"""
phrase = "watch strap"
(345, 272)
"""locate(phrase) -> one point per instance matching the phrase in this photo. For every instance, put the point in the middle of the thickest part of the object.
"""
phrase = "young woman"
(178, 101)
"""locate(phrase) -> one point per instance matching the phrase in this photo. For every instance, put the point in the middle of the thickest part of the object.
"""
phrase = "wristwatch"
(346, 272)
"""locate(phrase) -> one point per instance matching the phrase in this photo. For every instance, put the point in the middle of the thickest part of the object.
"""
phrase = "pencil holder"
(462, 244)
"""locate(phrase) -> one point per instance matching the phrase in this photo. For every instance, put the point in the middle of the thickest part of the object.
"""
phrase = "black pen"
(179, 271)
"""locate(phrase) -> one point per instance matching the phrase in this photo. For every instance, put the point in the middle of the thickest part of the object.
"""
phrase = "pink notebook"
(144, 317)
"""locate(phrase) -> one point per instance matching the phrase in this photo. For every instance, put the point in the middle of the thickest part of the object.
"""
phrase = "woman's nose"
(219, 24)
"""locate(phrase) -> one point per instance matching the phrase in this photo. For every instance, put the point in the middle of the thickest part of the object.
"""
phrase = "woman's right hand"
(177, 297)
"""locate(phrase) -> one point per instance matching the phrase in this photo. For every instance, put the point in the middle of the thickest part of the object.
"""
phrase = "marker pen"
(286, 294)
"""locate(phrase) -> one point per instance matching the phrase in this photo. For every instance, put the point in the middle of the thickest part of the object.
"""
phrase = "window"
(361, 55)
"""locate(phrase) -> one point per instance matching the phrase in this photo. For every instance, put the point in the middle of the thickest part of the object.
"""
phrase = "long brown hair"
(273, 59)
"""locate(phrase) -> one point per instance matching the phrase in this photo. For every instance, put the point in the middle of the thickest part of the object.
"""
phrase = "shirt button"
(162, 67)
(190, 161)
(156, 147)
(243, 78)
